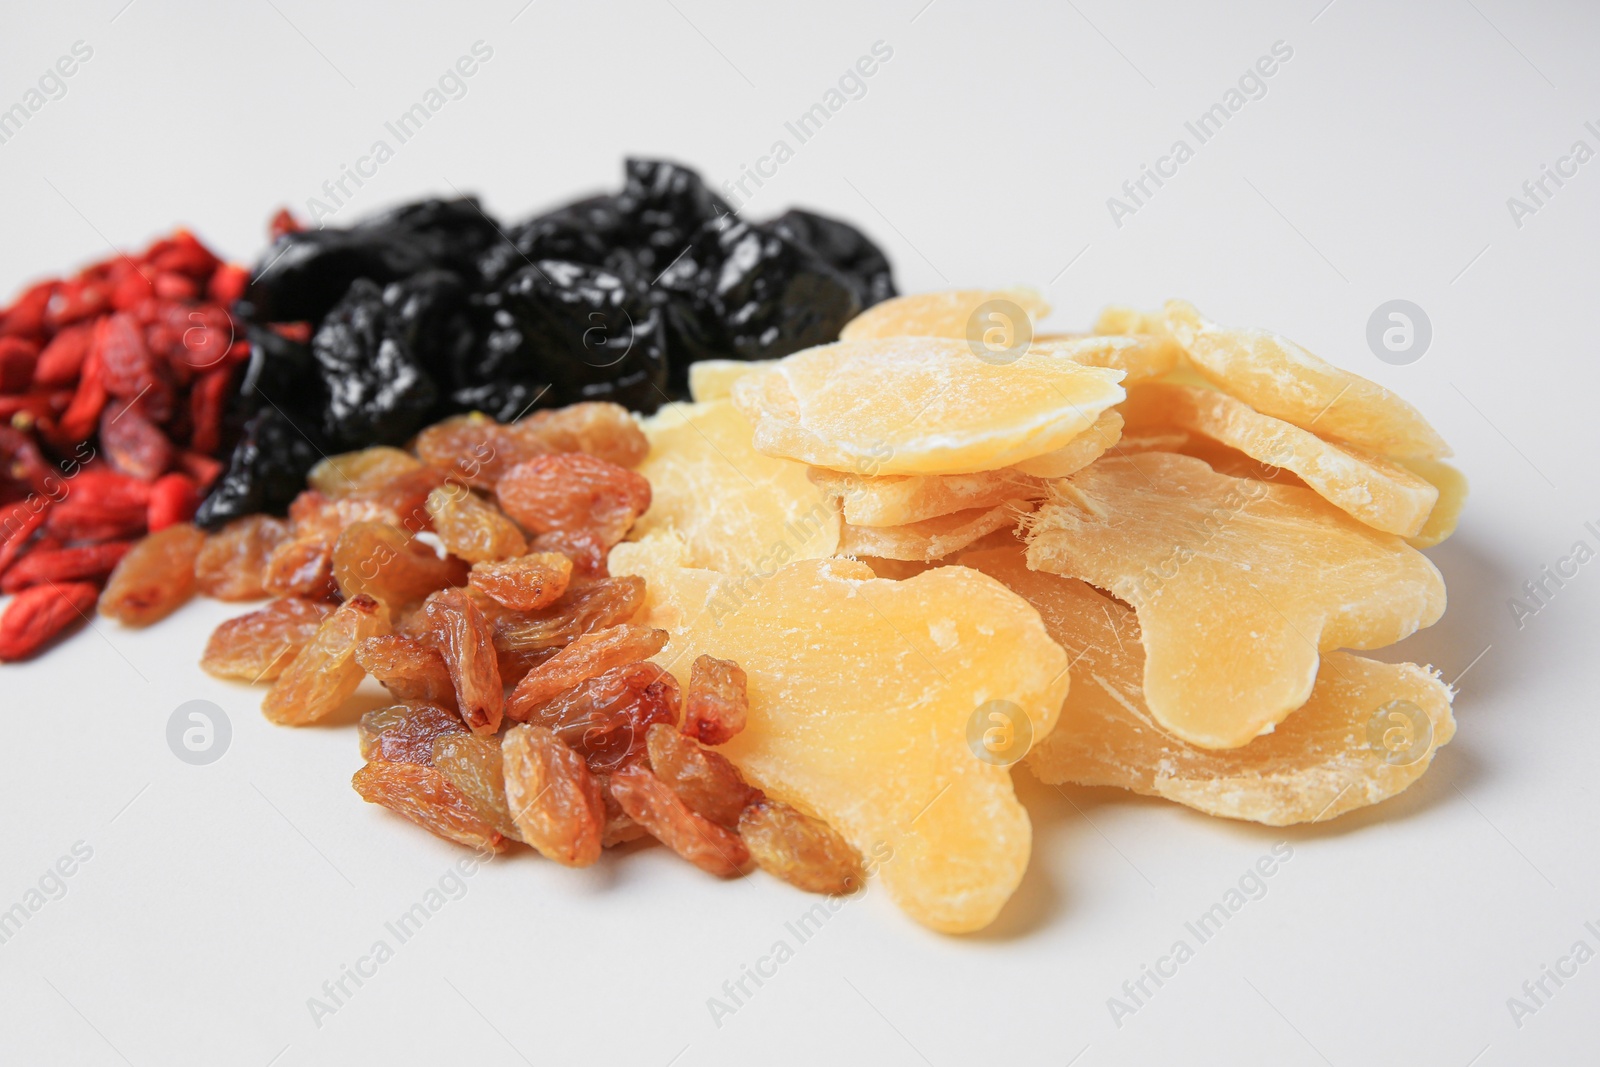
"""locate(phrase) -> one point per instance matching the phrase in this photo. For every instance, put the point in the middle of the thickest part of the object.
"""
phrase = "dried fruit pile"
(113, 385)
(367, 334)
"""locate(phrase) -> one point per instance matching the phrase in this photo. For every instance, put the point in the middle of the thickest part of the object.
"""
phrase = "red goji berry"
(21, 463)
(293, 331)
(173, 499)
(171, 286)
(81, 298)
(283, 222)
(83, 414)
(228, 283)
(184, 254)
(133, 444)
(207, 400)
(42, 613)
(85, 563)
(62, 359)
(17, 524)
(131, 288)
(25, 317)
(203, 469)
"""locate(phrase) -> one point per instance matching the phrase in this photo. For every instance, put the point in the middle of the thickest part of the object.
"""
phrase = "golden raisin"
(232, 564)
(554, 800)
(461, 634)
(474, 766)
(257, 647)
(704, 780)
(574, 492)
(606, 719)
(155, 577)
(718, 700)
(599, 428)
(474, 449)
(584, 609)
(427, 798)
(805, 852)
(409, 669)
(405, 733)
(650, 803)
(386, 563)
(351, 472)
(587, 657)
(324, 673)
(526, 583)
(471, 527)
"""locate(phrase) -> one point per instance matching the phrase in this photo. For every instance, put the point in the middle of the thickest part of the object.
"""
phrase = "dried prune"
(805, 852)
(526, 583)
(573, 492)
(461, 634)
(257, 647)
(474, 766)
(704, 780)
(154, 578)
(587, 657)
(842, 247)
(405, 733)
(411, 670)
(605, 719)
(474, 529)
(427, 798)
(232, 564)
(324, 673)
(718, 700)
(553, 799)
(378, 391)
(266, 469)
(697, 839)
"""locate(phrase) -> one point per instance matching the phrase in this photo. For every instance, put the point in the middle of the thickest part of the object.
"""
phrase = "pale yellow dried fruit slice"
(712, 379)
(1219, 457)
(1379, 492)
(941, 314)
(1078, 453)
(739, 511)
(1277, 377)
(1239, 585)
(1322, 761)
(920, 405)
(861, 690)
(1452, 487)
(1142, 357)
(1151, 326)
(930, 539)
(903, 499)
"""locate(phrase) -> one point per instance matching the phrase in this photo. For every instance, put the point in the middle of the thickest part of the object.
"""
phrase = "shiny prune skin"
(842, 247)
(665, 205)
(587, 231)
(433, 315)
(266, 470)
(378, 391)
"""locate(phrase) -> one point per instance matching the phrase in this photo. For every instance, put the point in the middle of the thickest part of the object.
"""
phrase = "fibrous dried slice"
(1277, 377)
(1322, 761)
(232, 563)
(765, 510)
(473, 765)
(587, 657)
(949, 313)
(410, 670)
(654, 806)
(554, 801)
(258, 646)
(526, 583)
(325, 673)
(805, 852)
(712, 379)
(920, 405)
(465, 639)
(405, 733)
(930, 539)
(704, 780)
(154, 578)
(1141, 358)
(1238, 584)
(472, 528)
(1379, 492)
(1452, 487)
(390, 565)
(427, 798)
(718, 704)
(861, 691)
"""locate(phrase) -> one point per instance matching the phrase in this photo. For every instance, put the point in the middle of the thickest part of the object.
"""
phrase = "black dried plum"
(266, 470)
(432, 314)
(665, 206)
(378, 392)
(842, 247)
(588, 231)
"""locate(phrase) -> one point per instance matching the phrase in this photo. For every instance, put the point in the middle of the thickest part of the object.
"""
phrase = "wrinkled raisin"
(155, 577)
(461, 634)
(526, 583)
(584, 609)
(554, 800)
(405, 733)
(654, 806)
(427, 798)
(606, 719)
(473, 765)
(598, 428)
(324, 673)
(585, 658)
(351, 472)
(805, 852)
(409, 669)
(471, 527)
(704, 780)
(474, 449)
(232, 564)
(258, 647)
(300, 566)
(718, 700)
(385, 562)
(572, 492)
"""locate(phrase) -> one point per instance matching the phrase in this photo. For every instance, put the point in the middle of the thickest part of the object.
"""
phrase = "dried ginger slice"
(712, 379)
(1452, 486)
(1319, 763)
(1279, 378)
(860, 692)
(739, 510)
(939, 314)
(920, 405)
(1238, 584)
(1379, 492)
(930, 539)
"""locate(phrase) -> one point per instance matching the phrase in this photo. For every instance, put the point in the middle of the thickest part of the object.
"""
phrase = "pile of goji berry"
(113, 387)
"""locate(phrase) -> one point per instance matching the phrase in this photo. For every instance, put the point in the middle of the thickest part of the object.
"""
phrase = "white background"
(1378, 165)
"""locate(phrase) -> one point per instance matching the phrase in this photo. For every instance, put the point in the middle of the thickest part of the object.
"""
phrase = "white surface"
(1377, 166)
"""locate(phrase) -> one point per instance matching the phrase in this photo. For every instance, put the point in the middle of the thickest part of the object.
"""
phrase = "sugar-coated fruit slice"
(1452, 486)
(1141, 357)
(943, 314)
(902, 499)
(930, 539)
(861, 691)
(1378, 491)
(1078, 453)
(1277, 377)
(920, 405)
(1323, 760)
(1239, 585)
(712, 379)
(739, 511)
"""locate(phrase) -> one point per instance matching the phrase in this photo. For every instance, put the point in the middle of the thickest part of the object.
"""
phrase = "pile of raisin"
(363, 336)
